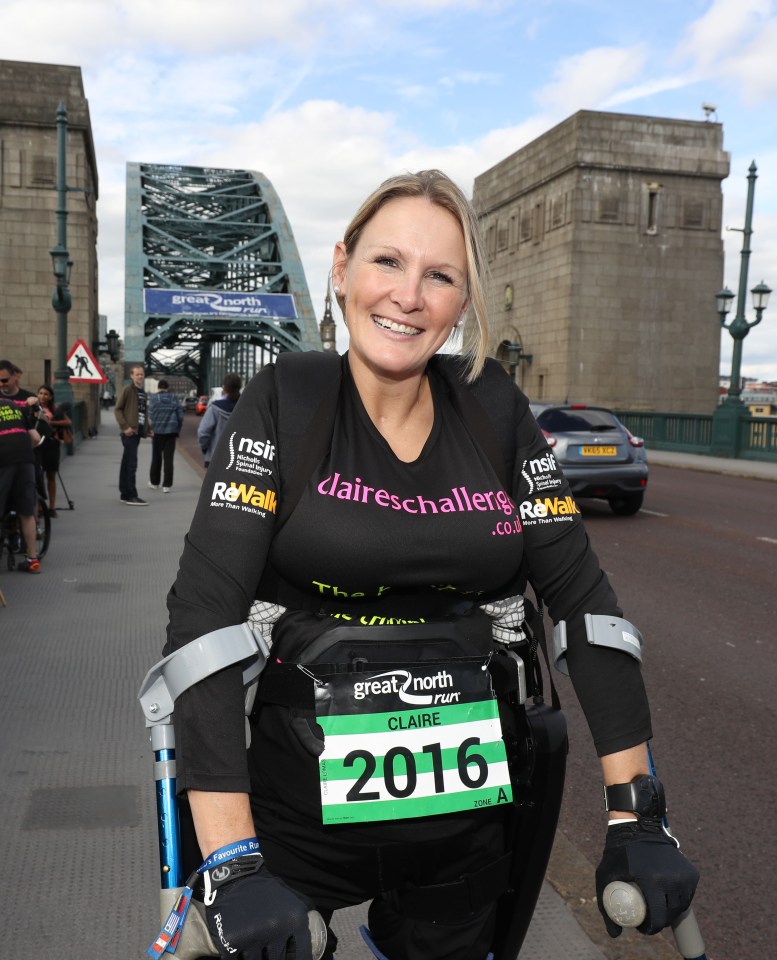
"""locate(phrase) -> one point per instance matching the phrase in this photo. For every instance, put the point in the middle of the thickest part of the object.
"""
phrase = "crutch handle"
(625, 906)
(196, 942)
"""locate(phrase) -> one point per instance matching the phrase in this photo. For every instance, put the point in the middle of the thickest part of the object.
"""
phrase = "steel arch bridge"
(214, 283)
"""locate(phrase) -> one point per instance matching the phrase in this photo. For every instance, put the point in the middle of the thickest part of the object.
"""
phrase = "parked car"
(202, 403)
(190, 402)
(600, 457)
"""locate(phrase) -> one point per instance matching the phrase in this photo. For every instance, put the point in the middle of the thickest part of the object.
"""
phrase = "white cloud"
(329, 99)
(89, 29)
(647, 89)
(586, 80)
(734, 41)
(320, 189)
(710, 39)
(469, 78)
(754, 68)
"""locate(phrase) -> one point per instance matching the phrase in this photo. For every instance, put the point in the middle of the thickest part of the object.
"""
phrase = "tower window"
(693, 214)
(652, 209)
(609, 210)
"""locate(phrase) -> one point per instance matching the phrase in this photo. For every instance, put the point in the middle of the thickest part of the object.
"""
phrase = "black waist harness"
(305, 648)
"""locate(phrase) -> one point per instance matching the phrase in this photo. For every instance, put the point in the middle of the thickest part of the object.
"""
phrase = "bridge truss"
(200, 232)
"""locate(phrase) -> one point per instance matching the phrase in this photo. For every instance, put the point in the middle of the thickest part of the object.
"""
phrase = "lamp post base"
(727, 423)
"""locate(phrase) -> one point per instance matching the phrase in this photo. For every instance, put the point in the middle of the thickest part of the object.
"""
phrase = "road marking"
(767, 539)
(654, 513)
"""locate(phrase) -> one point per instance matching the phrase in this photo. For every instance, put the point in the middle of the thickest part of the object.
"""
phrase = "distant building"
(760, 399)
(31, 93)
(604, 244)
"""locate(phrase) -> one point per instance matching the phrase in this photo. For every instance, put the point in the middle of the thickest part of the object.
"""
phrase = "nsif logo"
(543, 464)
(403, 684)
(248, 448)
(539, 466)
(256, 448)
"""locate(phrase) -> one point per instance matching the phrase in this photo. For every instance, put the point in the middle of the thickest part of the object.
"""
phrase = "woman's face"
(44, 397)
(405, 286)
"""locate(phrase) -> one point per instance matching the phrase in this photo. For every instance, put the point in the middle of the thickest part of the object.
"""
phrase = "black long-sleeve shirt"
(375, 539)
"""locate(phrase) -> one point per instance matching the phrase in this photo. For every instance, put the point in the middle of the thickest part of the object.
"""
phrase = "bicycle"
(11, 539)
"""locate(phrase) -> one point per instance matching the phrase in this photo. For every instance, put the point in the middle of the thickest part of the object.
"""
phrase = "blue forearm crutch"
(170, 857)
(159, 690)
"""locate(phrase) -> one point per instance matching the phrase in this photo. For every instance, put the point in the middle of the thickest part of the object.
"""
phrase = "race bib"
(410, 742)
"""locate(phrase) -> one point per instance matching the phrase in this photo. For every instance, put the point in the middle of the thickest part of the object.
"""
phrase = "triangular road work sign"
(83, 366)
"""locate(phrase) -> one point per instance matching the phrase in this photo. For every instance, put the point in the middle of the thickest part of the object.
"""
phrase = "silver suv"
(599, 456)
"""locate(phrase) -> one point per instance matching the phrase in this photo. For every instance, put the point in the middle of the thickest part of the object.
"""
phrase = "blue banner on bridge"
(220, 303)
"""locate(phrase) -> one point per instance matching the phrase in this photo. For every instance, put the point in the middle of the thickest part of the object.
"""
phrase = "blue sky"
(327, 99)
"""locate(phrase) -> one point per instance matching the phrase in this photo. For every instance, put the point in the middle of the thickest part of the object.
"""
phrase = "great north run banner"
(219, 303)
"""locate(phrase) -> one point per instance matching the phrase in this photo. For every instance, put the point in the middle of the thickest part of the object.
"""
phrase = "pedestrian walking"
(216, 415)
(166, 416)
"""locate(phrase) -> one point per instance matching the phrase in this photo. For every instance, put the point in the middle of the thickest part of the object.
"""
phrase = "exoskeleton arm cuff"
(614, 633)
(193, 662)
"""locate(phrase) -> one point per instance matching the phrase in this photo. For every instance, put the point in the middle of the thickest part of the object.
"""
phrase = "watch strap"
(644, 795)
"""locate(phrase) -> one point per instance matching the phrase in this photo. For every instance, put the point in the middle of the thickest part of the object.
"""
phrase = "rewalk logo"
(548, 510)
(233, 495)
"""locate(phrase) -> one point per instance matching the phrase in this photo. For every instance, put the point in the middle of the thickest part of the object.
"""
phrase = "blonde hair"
(438, 188)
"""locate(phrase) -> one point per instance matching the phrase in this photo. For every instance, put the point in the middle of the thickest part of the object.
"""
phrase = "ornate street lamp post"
(63, 265)
(112, 340)
(515, 355)
(727, 418)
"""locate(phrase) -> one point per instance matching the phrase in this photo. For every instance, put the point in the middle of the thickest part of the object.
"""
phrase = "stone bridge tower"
(604, 244)
(31, 93)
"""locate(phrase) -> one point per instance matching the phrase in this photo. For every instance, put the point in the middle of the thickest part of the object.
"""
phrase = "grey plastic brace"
(208, 654)
(601, 631)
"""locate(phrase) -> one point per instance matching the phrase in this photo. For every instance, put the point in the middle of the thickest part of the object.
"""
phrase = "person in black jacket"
(375, 783)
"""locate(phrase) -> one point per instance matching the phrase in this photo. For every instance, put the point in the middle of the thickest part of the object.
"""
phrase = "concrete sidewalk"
(78, 827)
(752, 469)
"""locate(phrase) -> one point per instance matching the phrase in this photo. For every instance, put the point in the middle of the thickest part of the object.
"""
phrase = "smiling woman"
(404, 286)
(405, 530)
(405, 274)
(454, 258)
(404, 289)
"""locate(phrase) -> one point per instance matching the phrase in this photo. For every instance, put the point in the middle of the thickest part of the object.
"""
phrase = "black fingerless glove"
(642, 852)
(253, 915)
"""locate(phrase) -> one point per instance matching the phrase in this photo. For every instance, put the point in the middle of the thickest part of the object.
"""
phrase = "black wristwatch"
(643, 796)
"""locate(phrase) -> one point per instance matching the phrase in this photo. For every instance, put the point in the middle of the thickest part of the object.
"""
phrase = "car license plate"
(599, 451)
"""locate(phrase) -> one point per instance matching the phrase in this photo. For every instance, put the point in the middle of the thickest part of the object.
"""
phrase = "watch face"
(649, 797)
